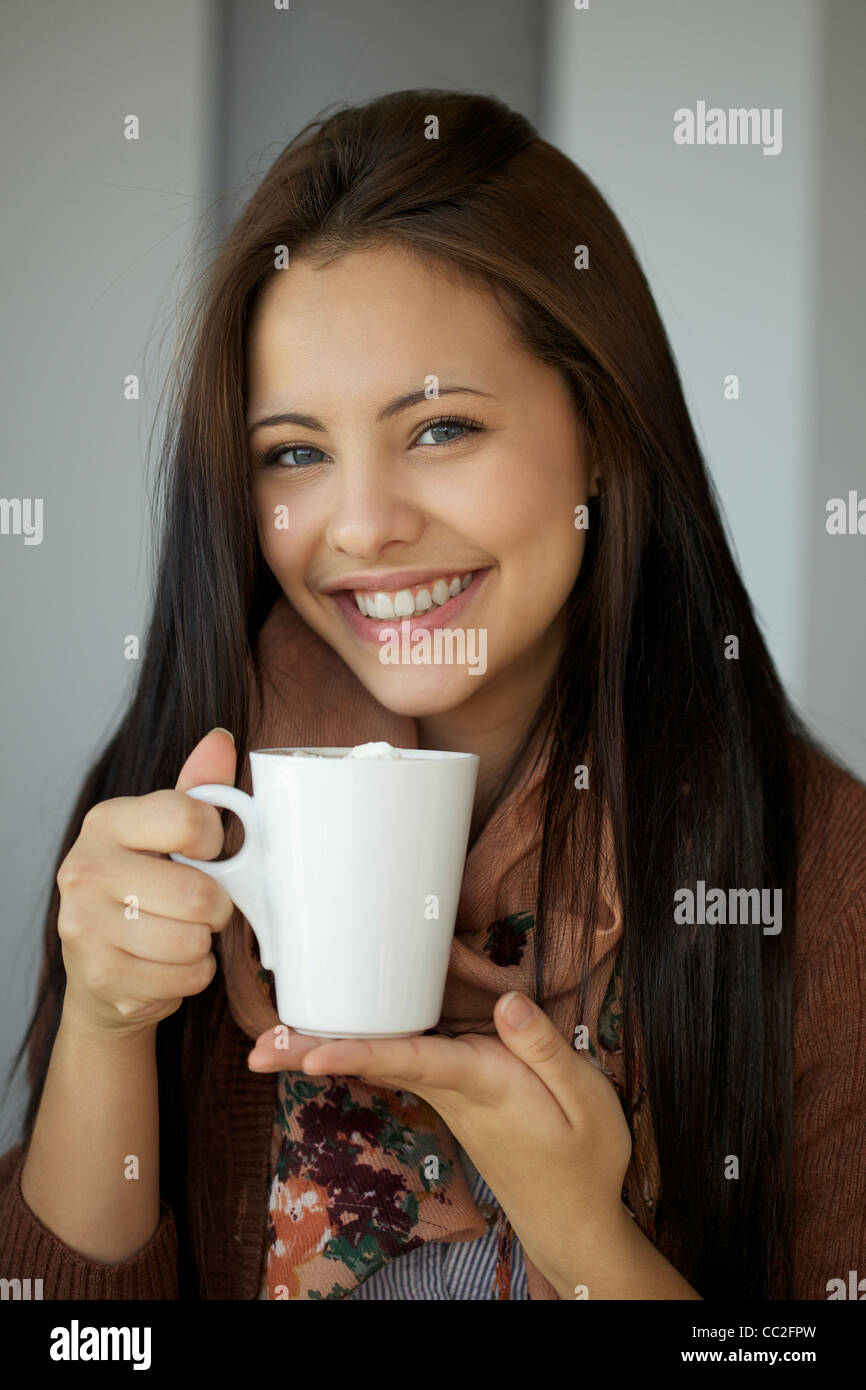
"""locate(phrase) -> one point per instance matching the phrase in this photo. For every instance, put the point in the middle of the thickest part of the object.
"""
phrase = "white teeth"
(384, 606)
(403, 604)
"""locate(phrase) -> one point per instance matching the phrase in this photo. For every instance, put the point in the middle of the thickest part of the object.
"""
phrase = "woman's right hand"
(135, 926)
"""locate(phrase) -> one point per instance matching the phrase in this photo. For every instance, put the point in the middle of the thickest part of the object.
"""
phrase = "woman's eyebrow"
(312, 422)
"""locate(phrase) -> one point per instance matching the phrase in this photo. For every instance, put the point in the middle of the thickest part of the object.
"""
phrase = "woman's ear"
(595, 487)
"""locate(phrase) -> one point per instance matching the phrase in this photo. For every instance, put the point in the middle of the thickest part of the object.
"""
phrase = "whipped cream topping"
(375, 750)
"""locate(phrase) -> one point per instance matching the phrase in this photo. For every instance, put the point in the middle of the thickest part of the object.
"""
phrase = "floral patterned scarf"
(362, 1173)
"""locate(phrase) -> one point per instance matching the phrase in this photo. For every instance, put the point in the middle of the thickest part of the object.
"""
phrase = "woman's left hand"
(540, 1121)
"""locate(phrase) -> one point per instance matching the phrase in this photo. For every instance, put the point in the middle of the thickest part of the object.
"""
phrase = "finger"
(540, 1045)
(466, 1065)
(162, 941)
(176, 891)
(167, 822)
(110, 974)
(281, 1048)
(213, 759)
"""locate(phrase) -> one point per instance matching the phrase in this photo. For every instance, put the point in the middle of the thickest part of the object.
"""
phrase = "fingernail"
(219, 729)
(516, 1010)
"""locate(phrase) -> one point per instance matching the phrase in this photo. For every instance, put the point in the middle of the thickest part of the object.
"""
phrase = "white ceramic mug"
(350, 875)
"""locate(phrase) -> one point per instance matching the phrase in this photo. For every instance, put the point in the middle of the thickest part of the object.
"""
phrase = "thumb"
(213, 759)
(527, 1031)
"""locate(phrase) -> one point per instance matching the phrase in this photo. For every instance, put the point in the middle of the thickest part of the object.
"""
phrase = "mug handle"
(243, 875)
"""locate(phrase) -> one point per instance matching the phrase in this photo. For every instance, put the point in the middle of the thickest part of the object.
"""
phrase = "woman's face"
(365, 494)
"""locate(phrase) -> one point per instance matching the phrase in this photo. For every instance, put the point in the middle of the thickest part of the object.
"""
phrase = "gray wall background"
(755, 263)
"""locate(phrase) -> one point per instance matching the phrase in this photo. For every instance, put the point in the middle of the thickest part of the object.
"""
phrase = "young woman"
(427, 383)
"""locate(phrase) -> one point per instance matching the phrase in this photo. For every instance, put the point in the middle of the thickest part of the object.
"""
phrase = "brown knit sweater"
(829, 1048)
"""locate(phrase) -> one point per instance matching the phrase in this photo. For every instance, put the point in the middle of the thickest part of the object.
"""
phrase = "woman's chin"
(417, 693)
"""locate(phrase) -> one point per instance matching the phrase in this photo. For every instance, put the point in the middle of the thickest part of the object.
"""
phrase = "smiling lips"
(407, 603)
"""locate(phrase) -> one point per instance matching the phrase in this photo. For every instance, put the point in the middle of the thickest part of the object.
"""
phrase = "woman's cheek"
(281, 536)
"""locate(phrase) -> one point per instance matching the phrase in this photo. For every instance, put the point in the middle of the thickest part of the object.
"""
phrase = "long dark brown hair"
(689, 751)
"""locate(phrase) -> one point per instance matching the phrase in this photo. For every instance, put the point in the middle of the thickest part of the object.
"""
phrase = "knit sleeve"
(829, 1048)
(29, 1250)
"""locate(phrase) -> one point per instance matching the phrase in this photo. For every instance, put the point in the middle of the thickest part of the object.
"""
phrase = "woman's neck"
(492, 724)
(494, 746)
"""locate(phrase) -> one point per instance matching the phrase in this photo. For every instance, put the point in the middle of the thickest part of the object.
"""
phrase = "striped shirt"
(437, 1271)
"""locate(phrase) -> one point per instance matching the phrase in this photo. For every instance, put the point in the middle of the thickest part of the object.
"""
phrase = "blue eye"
(450, 422)
(272, 457)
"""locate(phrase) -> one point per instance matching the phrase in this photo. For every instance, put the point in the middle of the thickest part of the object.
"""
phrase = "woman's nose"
(368, 513)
